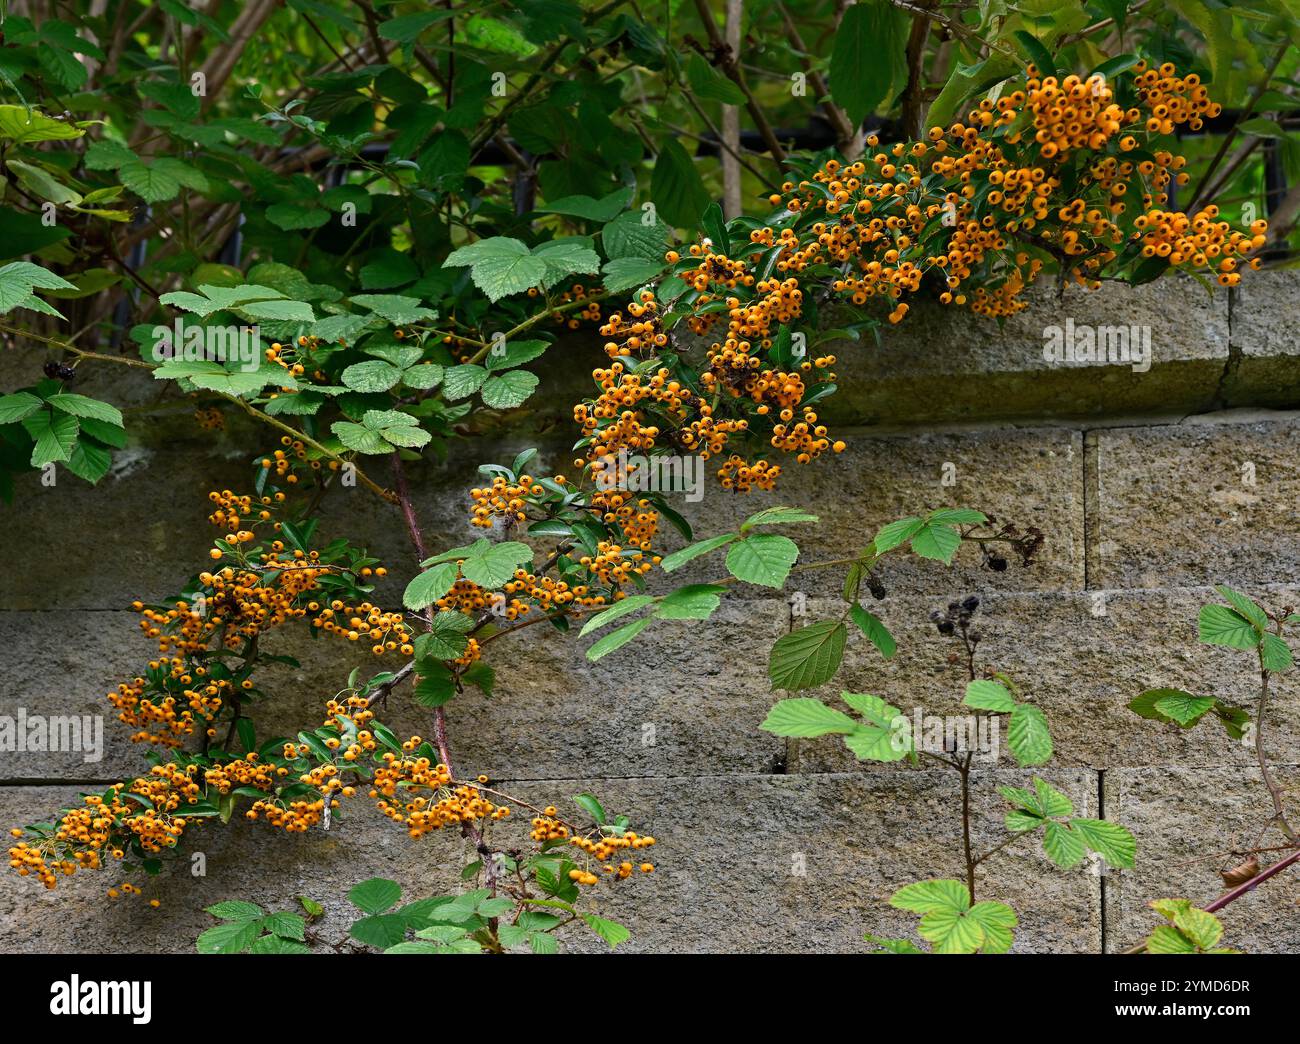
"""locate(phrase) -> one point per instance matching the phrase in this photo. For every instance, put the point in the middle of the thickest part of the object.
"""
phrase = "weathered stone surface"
(677, 702)
(1033, 477)
(944, 364)
(1187, 821)
(1265, 365)
(1081, 668)
(727, 857)
(1195, 504)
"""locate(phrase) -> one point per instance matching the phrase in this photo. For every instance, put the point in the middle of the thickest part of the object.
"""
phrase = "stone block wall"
(1149, 486)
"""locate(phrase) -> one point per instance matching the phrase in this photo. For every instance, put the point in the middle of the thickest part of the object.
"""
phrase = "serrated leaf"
(805, 717)
(619, 609)
(617, 639)
(375, 895)
(1063, 846)
(507, 390)
(429, 586)
(1219, 625)
(764, 559)
(1109, 840)
(1183, 708)
(678, 559)
(983, 694)
(877, 633)
(1028, 736)
(807, 657)
(884, 734)
(693, 602)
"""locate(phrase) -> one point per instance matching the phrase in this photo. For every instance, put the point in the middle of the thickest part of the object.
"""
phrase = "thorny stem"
(1275, 792)
(472, 831)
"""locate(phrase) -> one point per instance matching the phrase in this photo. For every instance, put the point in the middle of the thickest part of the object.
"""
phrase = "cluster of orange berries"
(1200, 239)
(588, 313)
(642, 330)
(151, 809)
(447, 805)
(166, 721)
(504, 500)
(604, 848)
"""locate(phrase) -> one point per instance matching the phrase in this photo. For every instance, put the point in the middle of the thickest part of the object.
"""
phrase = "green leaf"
(19, 278)
(565, 257)
(516, 354)
(1202, 928)
(88, 461)
(807, 657)
(678, 559)
(866, 56)
(396, 308)
(1220, 625)
(507, 390)
(429, 586)
(600, 210)
(1028, 736)
(693, 602)
(380, 930)
(805, 717)
(892, 945)
(1245, 606)
(491, 565)
(235, 910)
(1063, 846)
(375, 896)
(764, 559)
(1183, 708)
(710, 84)
(591, 806)
(359, 438)
(619, 609)
(896, 533)
(153, 184)
(460, 382)
(286, 925)
(989, 695)
(636, 235)
(22, 125)
(1050, 800)
(886, 734)
(18, 406)
(617, 639)
(231, 937)
(937, 541)
(1168, 939)
(373, 375)
(55, 435)
(500, 266)
(877, 633)
(611, 931)
(1109, 840)
(83, 406)
(776, 516)
(676, 188)
(1038, 54)
(435, 685)
(927, 896)
(1275, 654)
(626, 273)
